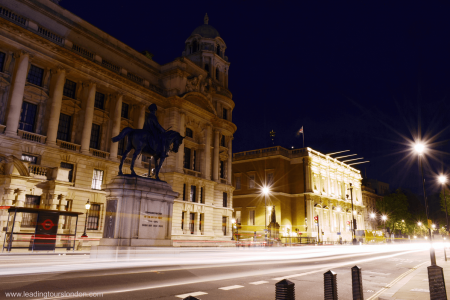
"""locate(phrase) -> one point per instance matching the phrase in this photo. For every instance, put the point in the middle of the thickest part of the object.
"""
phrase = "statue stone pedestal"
(138, 216)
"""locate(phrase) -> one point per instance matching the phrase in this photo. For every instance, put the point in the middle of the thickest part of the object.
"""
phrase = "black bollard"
(330, 286)
(190, 298)
(285, 290)
(357, 286)
(437, 283)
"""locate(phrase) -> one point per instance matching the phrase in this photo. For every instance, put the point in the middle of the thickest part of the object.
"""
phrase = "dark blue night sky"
(358, 76)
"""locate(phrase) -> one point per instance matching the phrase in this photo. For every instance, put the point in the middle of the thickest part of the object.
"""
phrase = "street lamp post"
(420, 148)
(353, 217)
(87, 206)
(384, 218)
(443, 181)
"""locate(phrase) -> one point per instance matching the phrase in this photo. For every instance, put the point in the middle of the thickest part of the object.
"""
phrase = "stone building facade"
(371, 216)
(66, 88)
(303, 183)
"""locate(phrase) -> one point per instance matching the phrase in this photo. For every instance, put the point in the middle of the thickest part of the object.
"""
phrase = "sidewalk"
(415, 285)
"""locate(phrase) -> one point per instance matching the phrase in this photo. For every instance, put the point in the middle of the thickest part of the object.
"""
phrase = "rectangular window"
(182, 220)
(201, 195)
(187, 158)
(225, 199)
(194, 156)
(64, 127)
(95, 137)
(238, 217)
(224, 225)
(94, 217)
(70, 167)
(269, 180)
(2, 60)
(192, 222)
(97, 180)
(30, 158)
(193, 193)
(225, 114)
(251, 181)
(222, 169)
(222, 141)
(35, 75)
(29, 219)
(189, 132)
(125, 110)
(200, 223)
(251, 217)
(70, 88)
(184, 192)
(27, 116)
(99, 100)
(238, 182)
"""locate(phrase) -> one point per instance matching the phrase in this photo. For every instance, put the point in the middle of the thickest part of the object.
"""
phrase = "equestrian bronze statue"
(152, 140)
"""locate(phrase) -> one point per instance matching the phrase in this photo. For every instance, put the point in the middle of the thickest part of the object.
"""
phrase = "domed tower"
(206, 48)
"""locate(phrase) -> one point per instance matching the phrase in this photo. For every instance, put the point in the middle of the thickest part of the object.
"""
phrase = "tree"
(395, 207)
(447, 196)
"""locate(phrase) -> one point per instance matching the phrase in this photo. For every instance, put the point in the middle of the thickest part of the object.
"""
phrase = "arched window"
(189, 133)
(194, 46)
(217, 74)
(218, 50)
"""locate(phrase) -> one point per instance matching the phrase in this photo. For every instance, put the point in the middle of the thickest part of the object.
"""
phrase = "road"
(242, 273)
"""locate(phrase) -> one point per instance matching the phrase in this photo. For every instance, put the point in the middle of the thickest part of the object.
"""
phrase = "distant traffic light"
(316, 220)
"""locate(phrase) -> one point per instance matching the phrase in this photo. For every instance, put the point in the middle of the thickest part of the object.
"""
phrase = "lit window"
(29, 158)
(97, 180)
(251, 217)
(94, 217)
(35, 75)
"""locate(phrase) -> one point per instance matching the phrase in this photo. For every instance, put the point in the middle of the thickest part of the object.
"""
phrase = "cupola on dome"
(205, 30)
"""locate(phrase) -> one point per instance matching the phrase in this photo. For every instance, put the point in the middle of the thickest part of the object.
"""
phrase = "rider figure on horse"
(152, 125)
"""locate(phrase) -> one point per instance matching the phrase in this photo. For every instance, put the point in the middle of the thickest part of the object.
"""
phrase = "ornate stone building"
(66, 88)
(303, 183)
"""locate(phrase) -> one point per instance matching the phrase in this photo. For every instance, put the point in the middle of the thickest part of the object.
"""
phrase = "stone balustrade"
(38, 171)
(99, 153)
(192, 173)
(68, 145)
(31, 136)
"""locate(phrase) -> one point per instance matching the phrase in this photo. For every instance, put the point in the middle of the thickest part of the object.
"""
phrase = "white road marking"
(191, 294)
(420, 290)
(296, 275)
(231, 287)
(376, 273)
(258, 282)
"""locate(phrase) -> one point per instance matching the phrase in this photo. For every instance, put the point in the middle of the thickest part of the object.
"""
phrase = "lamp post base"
(355, 242)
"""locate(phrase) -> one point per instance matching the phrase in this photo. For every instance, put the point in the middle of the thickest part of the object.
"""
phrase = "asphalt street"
(244, 273)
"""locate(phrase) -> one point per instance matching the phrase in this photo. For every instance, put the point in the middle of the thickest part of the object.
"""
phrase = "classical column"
(230, 161)
(216, 156)
(180, 154)
(88, 118)
(307, 174)
(117, 117)
(55, 110)
(16, 95)
(310, 215)
(139, 124)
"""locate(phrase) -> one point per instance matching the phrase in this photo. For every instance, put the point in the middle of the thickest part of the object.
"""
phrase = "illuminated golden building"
(303, 183)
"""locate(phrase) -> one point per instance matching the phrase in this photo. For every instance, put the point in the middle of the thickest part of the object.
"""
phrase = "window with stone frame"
(97, 179)
(30, 158)
(63, 133)
(193, 194)
(184, 192)
(70, 89)
(70, 167)
(187, 158)
(99, 101)
(251, 217)
(225, 199)
(218, 50)
(125, 110)
(222, 141)
(28, 116)
(192, 222)
(224, 225)
(29, 219)
(200, 222)
(35, 75)
(93, 217)
(2, 60)
(95, 137)
(225, 114)
(182, 220)
(189, 132)
(251, 181)
(237, 182)
(217, 74)
(269, 179)
(222, 169)
(202, 199)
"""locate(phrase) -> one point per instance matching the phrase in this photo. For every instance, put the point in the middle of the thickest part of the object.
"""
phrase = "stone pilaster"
(16, 94)
(216, 156)
(88, 118)
(55, 110)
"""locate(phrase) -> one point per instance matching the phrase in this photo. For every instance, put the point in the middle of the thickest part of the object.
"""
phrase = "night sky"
(363, 77)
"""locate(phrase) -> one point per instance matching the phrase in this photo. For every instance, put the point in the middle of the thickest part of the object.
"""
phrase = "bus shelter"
(37, 229)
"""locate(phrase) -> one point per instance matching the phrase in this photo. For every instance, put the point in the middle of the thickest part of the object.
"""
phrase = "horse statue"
(142, 141)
